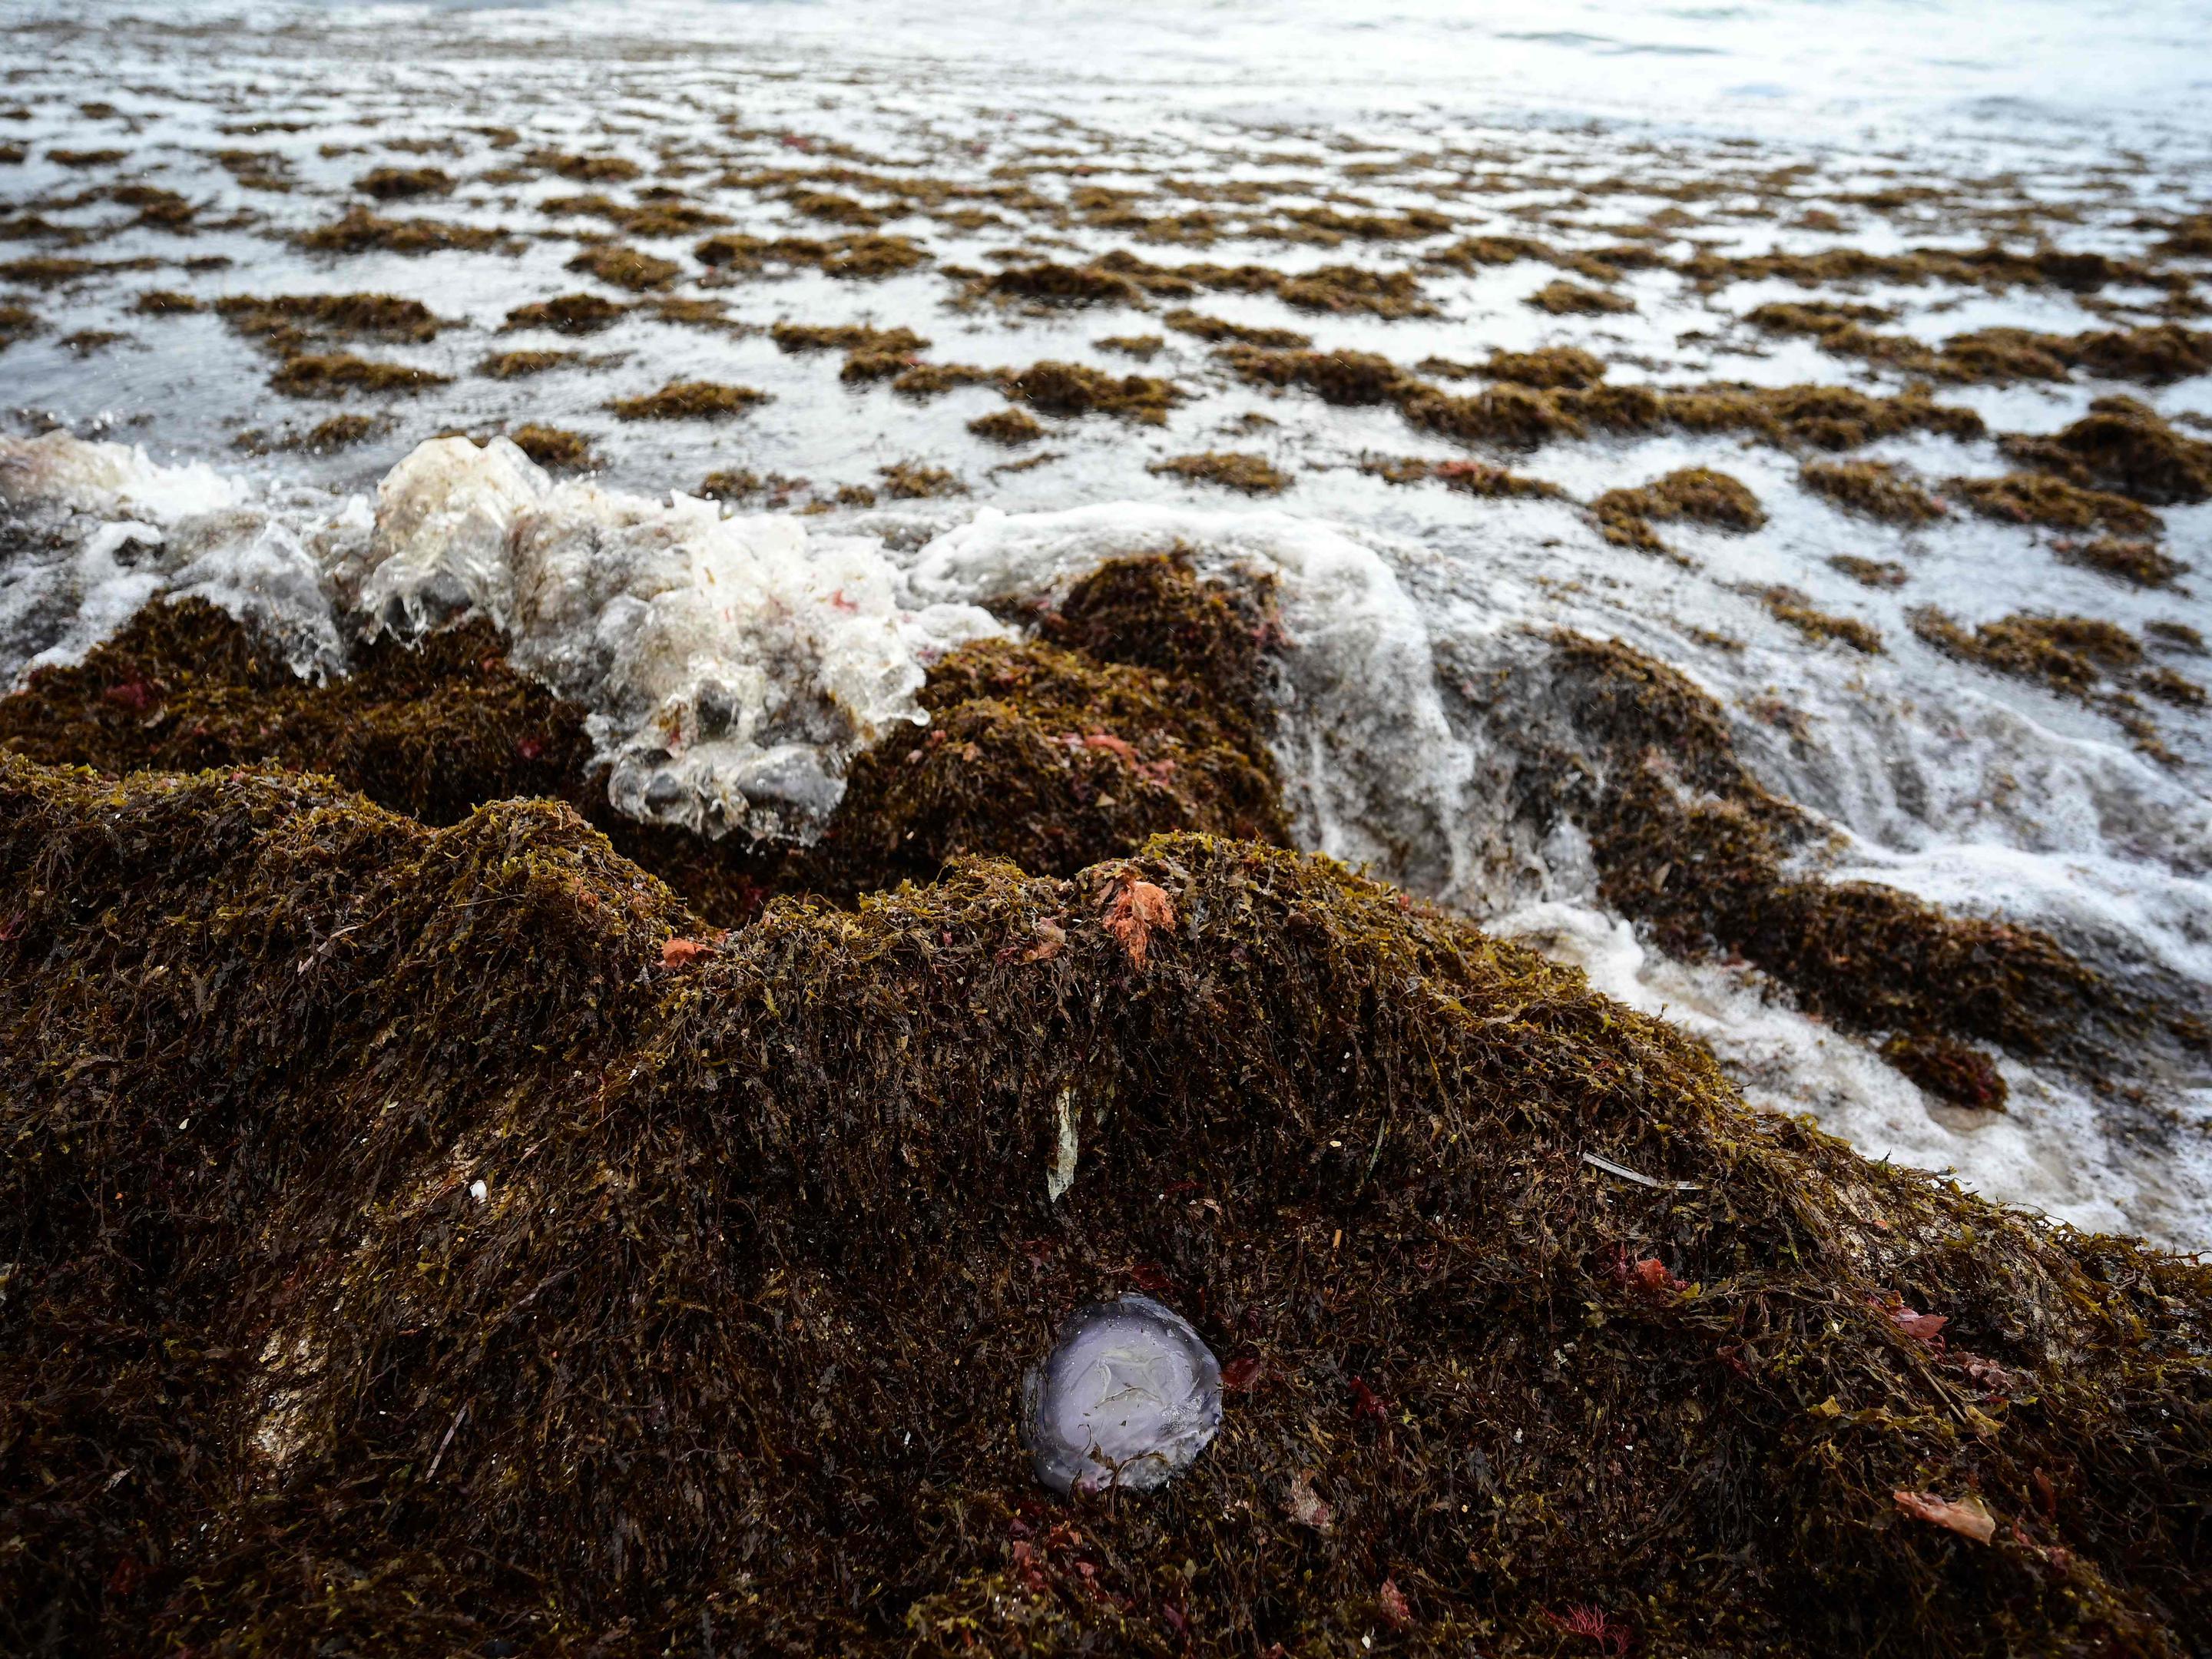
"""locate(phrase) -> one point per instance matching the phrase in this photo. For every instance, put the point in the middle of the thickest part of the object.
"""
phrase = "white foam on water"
(109, 530)
(733, 666)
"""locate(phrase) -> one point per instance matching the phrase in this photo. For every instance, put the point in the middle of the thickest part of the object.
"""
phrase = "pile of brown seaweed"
(424, 1231)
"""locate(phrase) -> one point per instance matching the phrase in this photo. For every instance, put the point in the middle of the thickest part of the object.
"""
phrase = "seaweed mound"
(428, 1240)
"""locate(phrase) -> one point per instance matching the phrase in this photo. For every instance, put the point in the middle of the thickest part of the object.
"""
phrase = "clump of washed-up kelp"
(443, 1239)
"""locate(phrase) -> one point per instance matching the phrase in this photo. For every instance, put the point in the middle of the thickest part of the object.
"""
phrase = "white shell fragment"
(1128, 1397)
(1068, 1147)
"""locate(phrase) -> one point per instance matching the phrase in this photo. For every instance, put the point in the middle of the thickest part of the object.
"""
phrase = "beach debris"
(1065, 1149)
(1132, 908)
(1594, 1624)
(1307, 1507)
(1627, 1174)
(1968, 1516)
(1395, 1607)
(1128, 1396)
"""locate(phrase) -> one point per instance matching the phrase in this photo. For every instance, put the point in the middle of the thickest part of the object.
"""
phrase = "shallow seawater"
(1327, 171)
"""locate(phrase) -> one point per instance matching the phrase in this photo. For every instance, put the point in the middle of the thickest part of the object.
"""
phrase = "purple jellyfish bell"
(1127, 1397)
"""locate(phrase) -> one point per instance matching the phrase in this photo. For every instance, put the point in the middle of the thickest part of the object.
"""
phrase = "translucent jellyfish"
(1128, 1398)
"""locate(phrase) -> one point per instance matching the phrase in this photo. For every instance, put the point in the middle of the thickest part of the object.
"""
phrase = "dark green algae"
(726, 1356)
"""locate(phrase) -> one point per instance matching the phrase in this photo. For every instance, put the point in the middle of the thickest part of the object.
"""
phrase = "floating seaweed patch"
(1254, 475)
(689, 400)
(360, 231)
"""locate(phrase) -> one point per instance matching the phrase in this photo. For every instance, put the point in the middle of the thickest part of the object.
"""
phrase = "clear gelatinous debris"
(1128, 1397)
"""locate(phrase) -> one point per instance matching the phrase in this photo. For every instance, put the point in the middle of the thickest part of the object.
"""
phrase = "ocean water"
(1250, 135)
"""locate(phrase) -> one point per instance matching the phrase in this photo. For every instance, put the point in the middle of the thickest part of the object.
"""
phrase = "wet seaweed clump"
(2071, 655)
(924, 380)
(1551, 368)
(287, 322)
(863, 257)
(1513, 415)
(256, 169)
(360, 231)
(588, 169)
(333, 373)
(1062, 286)
(1347, 378)
(158, 209)
(1057, 388)
(691, 311)
(868, 259)
(1870, 572)
(1390, 295)
(432, 729)
(1216, 330)
(913, 480)
(2167, 686)
(1874, 490)
(568, 313)
(1139, 707)
(404, 184)
(1955, 1071)
(651, 218)
(689, 400)
(835, 209)
(1477, 478)
(2175, 636)
(17, 323)
(164, 303)
(740, 486)
(1254, 475)
(2125, 446)
(1696, 494)
(1990, 267)
(518, 365)
(1562, 298)
(2140, 563)
(2153, 355)
(1009, 426)
(2038, 498)
(1820, 417)
(553, 447)
(1142, 347)
(858, 339)
(338, 432)
(476, 1250)
(48, 271)
(1792, 608)
(626, 267)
